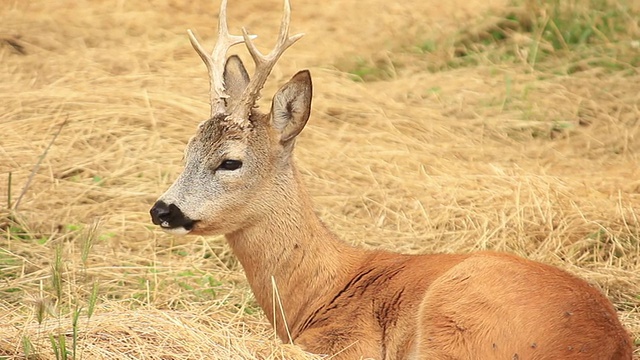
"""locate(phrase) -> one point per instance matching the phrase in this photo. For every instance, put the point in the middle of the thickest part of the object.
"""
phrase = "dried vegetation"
(436, 128)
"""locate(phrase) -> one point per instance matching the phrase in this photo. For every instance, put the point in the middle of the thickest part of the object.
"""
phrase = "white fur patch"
(179, 231)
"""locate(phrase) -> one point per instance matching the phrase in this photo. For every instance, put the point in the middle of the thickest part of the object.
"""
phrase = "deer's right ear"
(236, 79)
(291, 106)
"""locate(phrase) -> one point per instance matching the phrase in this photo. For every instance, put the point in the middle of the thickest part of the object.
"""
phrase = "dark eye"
(230, 165)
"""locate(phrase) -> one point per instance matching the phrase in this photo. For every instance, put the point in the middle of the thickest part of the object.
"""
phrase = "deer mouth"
(188, 226)
(181, 229)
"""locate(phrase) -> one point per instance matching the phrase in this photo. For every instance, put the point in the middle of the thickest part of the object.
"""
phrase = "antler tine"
(264, 64)
(216, 61)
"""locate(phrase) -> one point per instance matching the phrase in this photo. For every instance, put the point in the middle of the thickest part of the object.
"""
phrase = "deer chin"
(178, 231)
(203, 229)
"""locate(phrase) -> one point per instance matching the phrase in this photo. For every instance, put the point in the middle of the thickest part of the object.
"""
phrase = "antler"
(216, 61)
(264, 65)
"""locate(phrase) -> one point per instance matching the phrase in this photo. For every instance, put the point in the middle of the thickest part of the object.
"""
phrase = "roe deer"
(240, 180)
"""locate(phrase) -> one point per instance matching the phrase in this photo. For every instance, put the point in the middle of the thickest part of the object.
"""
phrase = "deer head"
(237, 159)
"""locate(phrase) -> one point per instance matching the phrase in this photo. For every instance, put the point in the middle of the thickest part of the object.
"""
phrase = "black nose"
(169, 216)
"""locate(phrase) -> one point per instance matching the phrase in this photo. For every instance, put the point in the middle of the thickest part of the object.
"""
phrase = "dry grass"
(506, 155)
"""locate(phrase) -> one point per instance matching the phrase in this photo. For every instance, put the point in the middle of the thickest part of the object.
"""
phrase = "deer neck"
(292, 252)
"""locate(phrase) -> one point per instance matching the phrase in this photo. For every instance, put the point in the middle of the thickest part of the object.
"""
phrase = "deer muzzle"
(170, 218)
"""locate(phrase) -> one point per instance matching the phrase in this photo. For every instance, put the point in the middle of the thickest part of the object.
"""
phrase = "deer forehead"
(219, 137)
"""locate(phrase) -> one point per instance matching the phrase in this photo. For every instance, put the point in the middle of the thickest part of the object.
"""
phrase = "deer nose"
(169, 216)
(160, 212)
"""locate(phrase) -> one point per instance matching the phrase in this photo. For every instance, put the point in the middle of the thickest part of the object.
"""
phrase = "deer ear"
(236, 79)
(291, 106)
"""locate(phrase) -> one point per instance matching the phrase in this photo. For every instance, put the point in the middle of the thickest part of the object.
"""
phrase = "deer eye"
(230, 165)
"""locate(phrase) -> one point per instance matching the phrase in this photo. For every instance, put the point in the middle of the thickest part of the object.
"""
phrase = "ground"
(435, 128)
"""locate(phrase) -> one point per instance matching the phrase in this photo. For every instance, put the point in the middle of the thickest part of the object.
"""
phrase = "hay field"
(435, 128)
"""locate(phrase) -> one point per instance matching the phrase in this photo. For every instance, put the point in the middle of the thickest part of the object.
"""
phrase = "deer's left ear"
(291, 106)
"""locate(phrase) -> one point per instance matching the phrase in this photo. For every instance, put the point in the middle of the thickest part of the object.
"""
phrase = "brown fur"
(353, 303)
(356, 303)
